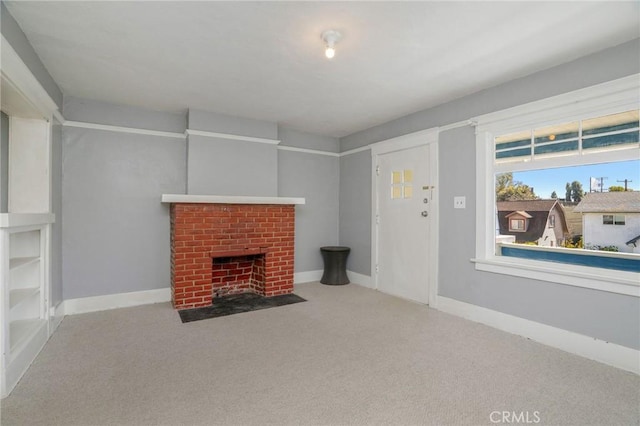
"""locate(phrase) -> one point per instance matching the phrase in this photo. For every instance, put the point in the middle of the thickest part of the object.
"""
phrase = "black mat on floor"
(237, 303)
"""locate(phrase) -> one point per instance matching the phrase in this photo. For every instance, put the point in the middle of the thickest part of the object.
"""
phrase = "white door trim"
(424, 137)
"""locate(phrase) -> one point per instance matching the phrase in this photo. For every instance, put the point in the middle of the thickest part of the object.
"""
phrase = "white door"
(404, 199)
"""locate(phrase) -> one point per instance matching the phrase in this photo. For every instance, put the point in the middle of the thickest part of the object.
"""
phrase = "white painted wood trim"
(620, 282)
(410, 140)
(588, 347)
(57, 115)
(360, 279)
(13, 220)
(616, 94)
(56, 316)
(216, 135)
(20, 76)
(440, 129)
(18, 363)
(307, 277)
(355, 150)
(457, 125)
(425, 137)
(434, 242)
(115, 301)
(224, 199)
(308, 151)
(120, 129)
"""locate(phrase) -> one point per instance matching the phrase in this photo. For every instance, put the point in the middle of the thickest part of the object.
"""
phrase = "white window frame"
(603, 99)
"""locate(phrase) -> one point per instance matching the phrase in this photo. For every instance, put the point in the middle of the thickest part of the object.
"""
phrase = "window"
(613, 219)
(594, 127)
(401, 184)
(516, 225)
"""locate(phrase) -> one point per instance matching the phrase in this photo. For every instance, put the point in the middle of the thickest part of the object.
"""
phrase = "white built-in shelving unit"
(25, 287)
(25, 225)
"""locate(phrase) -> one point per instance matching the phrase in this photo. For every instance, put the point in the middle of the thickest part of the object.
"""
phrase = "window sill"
(620, 282)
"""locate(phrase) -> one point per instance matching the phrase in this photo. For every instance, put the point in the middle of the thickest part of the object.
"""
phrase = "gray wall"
(606, 316)
(56, 230)
(231, 167)
(4, 163)
(97, 112)
(315, 177)
(298, 139)
(116, 231)
(16, 38)
(355, 210)
(220, 123)
(218, 166)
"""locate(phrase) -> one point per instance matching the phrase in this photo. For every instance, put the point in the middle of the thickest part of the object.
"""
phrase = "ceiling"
(264, 60)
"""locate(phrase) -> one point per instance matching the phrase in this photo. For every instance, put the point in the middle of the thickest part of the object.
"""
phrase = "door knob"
(425, 213)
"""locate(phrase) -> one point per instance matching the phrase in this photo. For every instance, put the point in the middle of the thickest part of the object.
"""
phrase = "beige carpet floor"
(347, 356)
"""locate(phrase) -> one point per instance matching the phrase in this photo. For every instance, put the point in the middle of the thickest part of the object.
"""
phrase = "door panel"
(404, 207)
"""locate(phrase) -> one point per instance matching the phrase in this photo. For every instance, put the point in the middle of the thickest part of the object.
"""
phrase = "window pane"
(556, 147)
(611, 140)
(408, 192)
(611, 123)
(556, 133)
(619, 219)
(607, 219)
(513, 153)
(506, 145)
(396, 192)
(408, 176)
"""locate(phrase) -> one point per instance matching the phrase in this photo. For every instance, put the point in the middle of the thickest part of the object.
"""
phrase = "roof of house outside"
(520, 213)
(526, 205)
(610, 202)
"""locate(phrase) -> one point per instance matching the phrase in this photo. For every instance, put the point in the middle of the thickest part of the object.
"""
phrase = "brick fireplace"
(223, 247)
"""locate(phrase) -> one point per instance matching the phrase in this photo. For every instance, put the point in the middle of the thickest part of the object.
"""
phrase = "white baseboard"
(578, 344)
(356, 278)
(113, 301)
(57, 314)
(18, 362)
(307, 276)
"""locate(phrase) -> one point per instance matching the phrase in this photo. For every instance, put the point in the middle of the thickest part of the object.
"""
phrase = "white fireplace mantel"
(229, 199)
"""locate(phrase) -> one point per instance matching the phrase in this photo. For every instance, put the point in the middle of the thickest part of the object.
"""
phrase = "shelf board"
(19, 261)
(22, 330)
(17, 296)
(14, 220)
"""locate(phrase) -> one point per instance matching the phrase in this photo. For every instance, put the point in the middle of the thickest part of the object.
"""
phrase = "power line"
(625, 183)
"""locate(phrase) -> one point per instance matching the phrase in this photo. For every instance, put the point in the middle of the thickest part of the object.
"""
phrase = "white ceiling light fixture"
(330, 38)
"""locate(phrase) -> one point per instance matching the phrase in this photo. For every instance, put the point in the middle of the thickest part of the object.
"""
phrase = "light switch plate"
(459, 202)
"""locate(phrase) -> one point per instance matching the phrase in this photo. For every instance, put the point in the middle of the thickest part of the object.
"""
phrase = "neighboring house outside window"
(610, 219)
(530, 221)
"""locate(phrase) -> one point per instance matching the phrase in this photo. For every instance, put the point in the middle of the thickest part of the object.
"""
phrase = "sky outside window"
(546, 181)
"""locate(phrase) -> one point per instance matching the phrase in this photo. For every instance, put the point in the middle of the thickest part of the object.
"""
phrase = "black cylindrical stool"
(335, 265)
